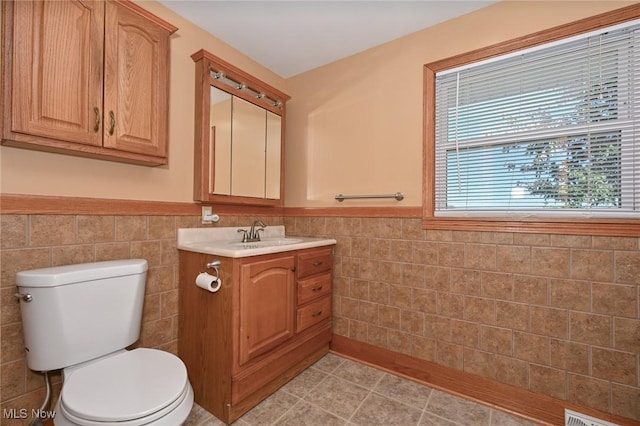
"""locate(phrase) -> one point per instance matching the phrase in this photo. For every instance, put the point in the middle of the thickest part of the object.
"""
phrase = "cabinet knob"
(316, 288)
(293, 268)
(316, 314)
(318, 263)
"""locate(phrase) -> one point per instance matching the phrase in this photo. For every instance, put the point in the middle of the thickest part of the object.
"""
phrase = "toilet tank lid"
(69, 274)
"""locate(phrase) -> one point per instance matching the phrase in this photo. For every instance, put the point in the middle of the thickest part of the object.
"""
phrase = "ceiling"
(294, 36)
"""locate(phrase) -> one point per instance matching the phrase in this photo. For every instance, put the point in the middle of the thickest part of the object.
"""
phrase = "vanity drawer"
(313, 313)
(314, 262)
(314, 287)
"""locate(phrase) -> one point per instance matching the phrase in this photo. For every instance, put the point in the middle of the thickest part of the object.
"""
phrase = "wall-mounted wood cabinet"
(269, 321)
(86, 78)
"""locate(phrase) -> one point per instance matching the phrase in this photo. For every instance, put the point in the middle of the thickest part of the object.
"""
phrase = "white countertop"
(227, 241)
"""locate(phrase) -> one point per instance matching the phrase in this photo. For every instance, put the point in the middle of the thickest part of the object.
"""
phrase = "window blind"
(551, 131)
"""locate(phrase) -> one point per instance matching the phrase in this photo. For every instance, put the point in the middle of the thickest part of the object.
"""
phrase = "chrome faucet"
(254, 233)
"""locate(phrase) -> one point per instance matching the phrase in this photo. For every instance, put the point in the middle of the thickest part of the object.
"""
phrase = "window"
(549, 132)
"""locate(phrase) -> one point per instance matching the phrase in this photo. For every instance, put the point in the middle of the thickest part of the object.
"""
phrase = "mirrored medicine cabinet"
(239, 135)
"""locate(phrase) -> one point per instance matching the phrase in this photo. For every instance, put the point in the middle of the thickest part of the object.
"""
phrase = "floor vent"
(572, 418)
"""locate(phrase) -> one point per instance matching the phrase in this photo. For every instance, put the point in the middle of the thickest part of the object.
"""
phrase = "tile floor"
(338, 391)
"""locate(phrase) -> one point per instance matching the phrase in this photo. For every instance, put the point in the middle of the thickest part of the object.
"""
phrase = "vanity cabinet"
(86, 78)
(270, 320)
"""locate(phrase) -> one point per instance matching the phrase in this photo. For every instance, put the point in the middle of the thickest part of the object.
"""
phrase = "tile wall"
(38, 241)
(555, 314)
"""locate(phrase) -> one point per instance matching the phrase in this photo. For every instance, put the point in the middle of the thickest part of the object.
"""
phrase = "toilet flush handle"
(26, 297)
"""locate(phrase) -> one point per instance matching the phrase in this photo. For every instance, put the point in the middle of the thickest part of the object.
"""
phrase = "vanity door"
(267, 306)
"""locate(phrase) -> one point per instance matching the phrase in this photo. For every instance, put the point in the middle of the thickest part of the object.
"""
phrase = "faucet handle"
(257, 234)
(244, 235)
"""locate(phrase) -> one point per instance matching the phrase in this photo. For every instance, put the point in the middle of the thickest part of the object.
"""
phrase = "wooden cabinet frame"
(204, 154)
(115, 115)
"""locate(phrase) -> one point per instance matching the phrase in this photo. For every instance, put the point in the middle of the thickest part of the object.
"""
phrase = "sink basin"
(266, 243)
(224, 241)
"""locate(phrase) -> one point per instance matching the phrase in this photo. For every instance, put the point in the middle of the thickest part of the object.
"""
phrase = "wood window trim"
(611, 227)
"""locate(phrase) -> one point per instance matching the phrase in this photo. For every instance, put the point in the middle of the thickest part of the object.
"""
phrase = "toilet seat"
(130, 388)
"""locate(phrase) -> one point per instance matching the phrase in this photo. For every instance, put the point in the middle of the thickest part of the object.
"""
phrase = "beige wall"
(355, 126)
(31, 172)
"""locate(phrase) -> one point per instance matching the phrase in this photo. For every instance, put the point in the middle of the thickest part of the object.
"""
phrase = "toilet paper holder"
(215, 265)
(210, 282)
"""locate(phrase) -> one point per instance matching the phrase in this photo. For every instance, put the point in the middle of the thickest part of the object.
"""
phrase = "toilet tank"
(80, 312)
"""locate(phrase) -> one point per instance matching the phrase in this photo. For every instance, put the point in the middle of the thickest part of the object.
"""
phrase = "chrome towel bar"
(398, 196)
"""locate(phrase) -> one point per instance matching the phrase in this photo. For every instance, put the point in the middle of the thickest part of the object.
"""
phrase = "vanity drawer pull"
(314, 262)
(313, 313)
(313, 288)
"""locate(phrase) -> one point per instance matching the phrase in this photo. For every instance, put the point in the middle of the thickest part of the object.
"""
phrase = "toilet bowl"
(129, 388)
(80, 318)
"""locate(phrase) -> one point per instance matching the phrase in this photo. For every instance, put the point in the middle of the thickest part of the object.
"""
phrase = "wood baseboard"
(523, 403)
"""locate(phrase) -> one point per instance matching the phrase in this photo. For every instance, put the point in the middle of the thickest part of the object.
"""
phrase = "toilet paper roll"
(208, 282)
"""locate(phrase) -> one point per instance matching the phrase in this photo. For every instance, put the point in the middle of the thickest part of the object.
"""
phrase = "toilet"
(80, 318)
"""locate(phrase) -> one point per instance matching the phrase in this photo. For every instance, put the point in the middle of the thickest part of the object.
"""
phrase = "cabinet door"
(135, 81)
(57, 70)
(267, 306)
